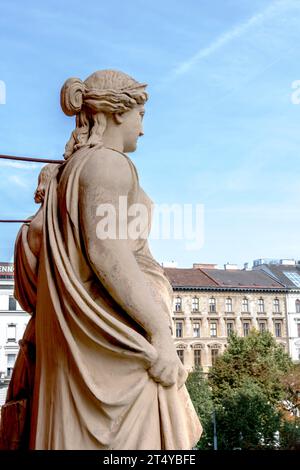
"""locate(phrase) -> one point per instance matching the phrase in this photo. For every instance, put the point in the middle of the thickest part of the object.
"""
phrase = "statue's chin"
(130, 148)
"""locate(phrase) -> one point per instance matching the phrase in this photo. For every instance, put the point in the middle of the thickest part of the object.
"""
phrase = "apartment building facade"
(287, 272)
(210, 304)
(13, 321)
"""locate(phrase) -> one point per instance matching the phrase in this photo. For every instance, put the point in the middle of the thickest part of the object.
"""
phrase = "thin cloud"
(274, 9)
(18, 181)
(16, 164)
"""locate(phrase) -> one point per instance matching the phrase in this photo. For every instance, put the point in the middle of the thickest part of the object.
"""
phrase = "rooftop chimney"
(288, 262)
(204, 266)
(229, 266)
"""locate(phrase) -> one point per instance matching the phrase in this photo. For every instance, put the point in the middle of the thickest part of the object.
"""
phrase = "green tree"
(201, 397)
(290, 434)
(248, 391)
(290, 429)
(291, 384)
(256, 356)
(253, 388)
(246, 419)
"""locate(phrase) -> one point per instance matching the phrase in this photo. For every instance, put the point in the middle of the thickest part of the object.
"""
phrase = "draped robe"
(92, 388)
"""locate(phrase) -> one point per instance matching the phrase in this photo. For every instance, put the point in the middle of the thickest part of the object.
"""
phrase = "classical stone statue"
(107, 373)
(16, 413)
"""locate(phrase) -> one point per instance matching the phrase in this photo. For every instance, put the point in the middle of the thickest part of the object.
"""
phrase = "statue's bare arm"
(105, 178)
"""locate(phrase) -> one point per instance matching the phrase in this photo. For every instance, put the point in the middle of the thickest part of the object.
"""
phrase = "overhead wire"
(26, 159)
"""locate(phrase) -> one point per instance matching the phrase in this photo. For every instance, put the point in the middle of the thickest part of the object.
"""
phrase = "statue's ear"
(118, 118)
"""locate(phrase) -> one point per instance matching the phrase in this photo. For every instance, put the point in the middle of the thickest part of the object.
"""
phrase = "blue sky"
(220, 126)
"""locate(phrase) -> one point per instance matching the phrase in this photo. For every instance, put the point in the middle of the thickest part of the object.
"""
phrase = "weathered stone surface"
(107, 373)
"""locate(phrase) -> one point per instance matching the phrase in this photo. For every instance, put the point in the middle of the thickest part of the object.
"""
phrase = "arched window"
(297, 306)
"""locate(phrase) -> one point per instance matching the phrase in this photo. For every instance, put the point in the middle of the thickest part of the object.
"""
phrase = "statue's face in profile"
(132, 127)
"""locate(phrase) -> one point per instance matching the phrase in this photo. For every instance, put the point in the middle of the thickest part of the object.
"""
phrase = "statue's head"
(105, 97)
(44, 178)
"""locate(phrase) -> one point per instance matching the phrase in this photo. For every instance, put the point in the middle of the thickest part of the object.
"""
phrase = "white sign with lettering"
(6, 268)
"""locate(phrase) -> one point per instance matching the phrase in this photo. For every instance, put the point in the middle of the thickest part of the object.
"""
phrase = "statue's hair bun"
(71, 96)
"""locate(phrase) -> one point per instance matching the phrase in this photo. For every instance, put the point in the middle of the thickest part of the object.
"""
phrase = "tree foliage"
(201, 396)
(290, 434)
(246, 419)
(248, 389)
(291, 384)
(256, 356)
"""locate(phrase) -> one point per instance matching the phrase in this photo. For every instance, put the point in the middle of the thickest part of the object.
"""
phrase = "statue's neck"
(112, 138)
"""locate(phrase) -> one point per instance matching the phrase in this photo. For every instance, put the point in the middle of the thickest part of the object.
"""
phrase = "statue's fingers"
(155, 371)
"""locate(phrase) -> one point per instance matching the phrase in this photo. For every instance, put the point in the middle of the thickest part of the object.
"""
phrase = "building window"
(11, 359)
(262, 326)
(212, 304)
(277, 329)
(11, 332)
(297, 306)
(196, 329)
(180, 353)
(178, 304)
(298, 329)
(245, 305)
(213, 328)
(276, 306)
(214, 355)
(179, 329)
(261, 305)
(246, 328)
(197, 357)
(12, 303)
(228, 304)
(230, 329)
(195, 304)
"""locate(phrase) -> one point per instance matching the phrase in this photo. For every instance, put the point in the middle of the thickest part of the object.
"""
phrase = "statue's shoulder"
(108, 167)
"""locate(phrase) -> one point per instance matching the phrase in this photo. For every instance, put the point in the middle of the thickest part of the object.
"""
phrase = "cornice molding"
(278, 290)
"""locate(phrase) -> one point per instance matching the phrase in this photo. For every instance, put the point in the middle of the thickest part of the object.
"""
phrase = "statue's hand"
(168, 368)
